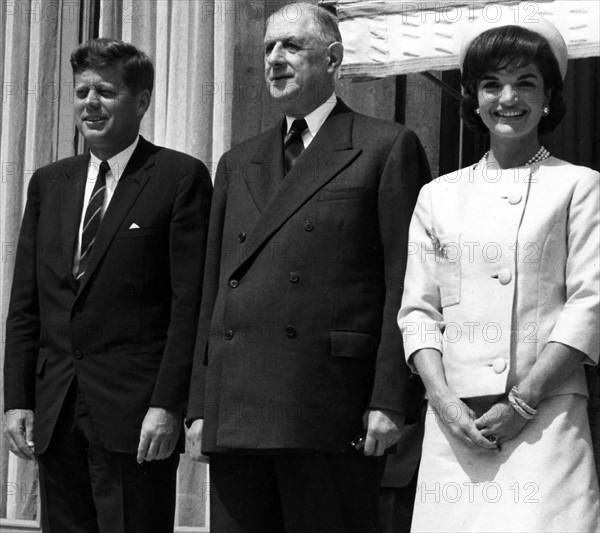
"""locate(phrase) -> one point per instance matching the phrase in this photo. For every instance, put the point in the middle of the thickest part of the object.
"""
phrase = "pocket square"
(134, 226)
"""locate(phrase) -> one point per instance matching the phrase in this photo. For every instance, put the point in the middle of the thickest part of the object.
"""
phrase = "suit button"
(308, 225)
(499, 365)
(514, 198)
(229, 335)
(242, 237)
(504, 276)
(294, 277)
(290, 331)
(233, 283)
(78, 354)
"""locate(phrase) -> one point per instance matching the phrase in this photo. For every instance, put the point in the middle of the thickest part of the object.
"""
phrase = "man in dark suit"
(298, 344)
(104, 309)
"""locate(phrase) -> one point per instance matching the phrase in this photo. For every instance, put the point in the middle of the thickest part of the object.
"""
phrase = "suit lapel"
(265, 171)
(327, 155)
(128, 189)
(71, 202)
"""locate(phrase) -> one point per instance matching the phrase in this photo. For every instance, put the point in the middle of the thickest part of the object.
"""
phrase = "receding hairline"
(323, 20)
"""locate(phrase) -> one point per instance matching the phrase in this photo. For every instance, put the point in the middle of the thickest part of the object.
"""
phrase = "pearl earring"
(477, 112)
(546, 110)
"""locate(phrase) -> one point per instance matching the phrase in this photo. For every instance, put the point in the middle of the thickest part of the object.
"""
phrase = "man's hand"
(18, 429)
(193, 441)
(159, 435)
(383, 430)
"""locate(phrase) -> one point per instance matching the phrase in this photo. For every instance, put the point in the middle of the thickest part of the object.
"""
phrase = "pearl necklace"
(540, 155)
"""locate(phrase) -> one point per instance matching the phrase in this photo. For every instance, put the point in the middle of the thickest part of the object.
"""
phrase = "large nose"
(275, 56)
(509, 95)
(91, 99)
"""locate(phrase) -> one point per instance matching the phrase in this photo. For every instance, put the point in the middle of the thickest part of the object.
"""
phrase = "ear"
(335, 55)
(548, 96)
(143, 103)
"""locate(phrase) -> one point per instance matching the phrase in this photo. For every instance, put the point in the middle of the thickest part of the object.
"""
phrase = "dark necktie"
(92, 219)
(292, 144)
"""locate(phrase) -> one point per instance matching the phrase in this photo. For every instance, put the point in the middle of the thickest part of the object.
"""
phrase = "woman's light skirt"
(544, 480)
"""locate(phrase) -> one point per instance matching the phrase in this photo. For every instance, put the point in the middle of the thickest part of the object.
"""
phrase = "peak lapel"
(265, 172)
(71, 203)
(327, 155)
(128, 189)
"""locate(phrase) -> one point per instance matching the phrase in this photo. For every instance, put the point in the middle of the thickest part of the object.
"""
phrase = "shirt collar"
(316, 118)
(118, 162)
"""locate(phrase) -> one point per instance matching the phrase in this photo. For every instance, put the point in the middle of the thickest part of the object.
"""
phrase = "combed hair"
(138, 71)
(510, 47)
(325, 20)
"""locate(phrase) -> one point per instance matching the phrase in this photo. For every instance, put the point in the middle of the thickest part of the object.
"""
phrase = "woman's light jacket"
(500, 263)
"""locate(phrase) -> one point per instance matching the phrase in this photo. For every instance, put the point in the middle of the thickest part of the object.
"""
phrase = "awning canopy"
(392, 37)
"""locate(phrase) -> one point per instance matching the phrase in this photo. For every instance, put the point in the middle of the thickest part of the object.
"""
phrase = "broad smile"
(509, 114)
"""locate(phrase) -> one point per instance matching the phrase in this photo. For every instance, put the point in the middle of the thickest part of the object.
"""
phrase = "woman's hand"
(450, 409)
(460, 420)
(501, 421)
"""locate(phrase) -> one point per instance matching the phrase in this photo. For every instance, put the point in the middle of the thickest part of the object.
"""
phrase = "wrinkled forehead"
(282, 26)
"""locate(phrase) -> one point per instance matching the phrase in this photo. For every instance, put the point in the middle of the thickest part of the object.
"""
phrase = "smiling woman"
(504, 372)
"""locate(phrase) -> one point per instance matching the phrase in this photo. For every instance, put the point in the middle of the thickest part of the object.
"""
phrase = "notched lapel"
(328, 154)
(71, 204)
(131, 184)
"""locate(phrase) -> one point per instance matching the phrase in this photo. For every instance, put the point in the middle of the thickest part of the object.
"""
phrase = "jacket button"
(499, 365)
(294, 277)
(290, 331)
(514, 198)
(308, 225)
(233, 283)
(242, 237)
(504, 276)
(229, 335)
(78, 354)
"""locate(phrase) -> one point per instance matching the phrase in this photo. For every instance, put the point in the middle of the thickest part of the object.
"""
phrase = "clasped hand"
(502, 421)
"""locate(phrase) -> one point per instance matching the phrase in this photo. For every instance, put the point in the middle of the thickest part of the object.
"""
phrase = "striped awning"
(392, 37)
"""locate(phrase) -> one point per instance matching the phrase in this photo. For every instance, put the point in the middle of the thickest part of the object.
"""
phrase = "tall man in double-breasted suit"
(104, 309)
(298, 344)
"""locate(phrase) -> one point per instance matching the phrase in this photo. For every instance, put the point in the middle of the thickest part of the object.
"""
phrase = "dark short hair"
(138, 71)
(510, 47)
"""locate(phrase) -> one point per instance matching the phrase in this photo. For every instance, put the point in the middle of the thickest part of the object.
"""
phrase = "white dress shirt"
(314, 120)
(117, 166)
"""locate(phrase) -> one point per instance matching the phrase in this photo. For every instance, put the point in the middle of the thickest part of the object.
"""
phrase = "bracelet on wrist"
(519, 405)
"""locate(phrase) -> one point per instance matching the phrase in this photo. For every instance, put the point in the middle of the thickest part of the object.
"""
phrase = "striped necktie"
(92, 219)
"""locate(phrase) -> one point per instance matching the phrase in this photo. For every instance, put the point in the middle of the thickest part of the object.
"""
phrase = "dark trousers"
(294, 492)
(87, 489)
(396, 506)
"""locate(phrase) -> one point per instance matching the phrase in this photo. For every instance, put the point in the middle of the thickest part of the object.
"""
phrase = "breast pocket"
(346, 193)
(136, 233)
(448, 256)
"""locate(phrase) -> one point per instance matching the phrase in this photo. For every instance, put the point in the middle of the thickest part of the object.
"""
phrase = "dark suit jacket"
(303, 282)
(127, 331)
